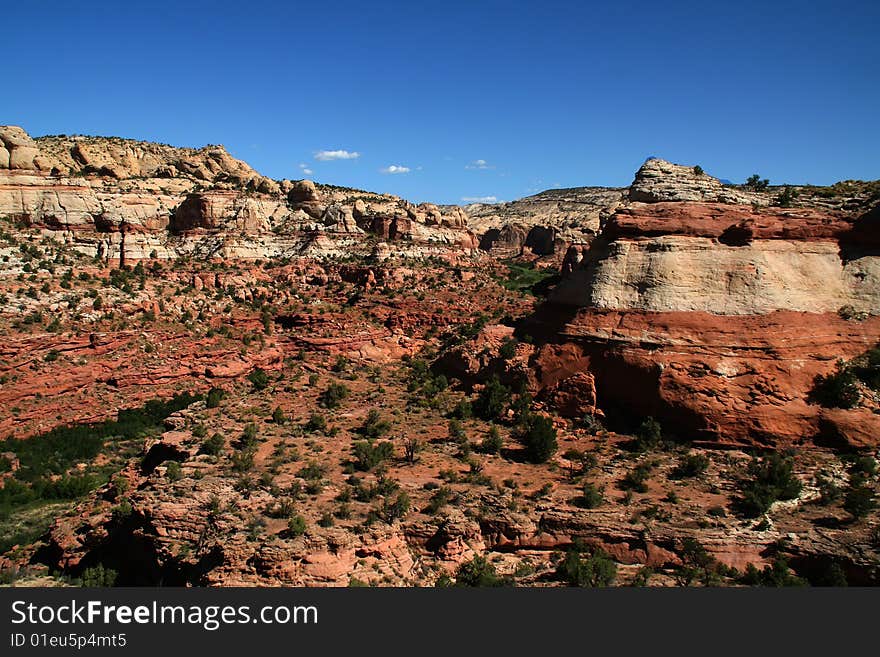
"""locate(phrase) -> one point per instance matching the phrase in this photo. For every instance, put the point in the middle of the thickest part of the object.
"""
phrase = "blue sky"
(448, 101)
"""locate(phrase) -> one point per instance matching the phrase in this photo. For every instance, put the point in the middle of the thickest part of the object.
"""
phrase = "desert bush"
(278, 415)
(455, 430)
(691, 465)
(591, 496)
(296, 525)
(98, 577)
(477, 572)
(778, 574)
(259, 379)
(439, 499)
(837, 390)
(374, 426)
(396, 508)
(757, 183)
(696, 565)
(243, 461)
(492, 400)
(172, 470)
(767, 480)
(368, 453)
(508, 349)
(637, 478)
(649, 435)
(860, 499)
(334, 395)
(316, 423)
(214, 445)
(493, 442)
(785, 198)
(539, 438)
(215, 396)
(584, 568)
(411, 447)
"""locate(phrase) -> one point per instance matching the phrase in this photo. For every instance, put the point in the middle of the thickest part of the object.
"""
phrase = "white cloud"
(395, 168)
(479, 164)
(326, 156)
(479, 199)
(305, 169)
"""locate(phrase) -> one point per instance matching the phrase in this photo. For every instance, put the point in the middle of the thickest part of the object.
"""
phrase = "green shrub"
(391, 510)
(492, 400)
(121, 512)
(756, 183)
(785, 198)
(462, 411)
(865, 466)
(374, 426)
(312, 471)
(859, 500)
(172, 470)
(477, 572)
(587, 569)
(649, 435)
(768, 480)
(368, 454)
(691, 465)
(456, 431)
(776, 575)
(637, 478)
(508, 349)
(243, 461)
(259, 379)
(696, 565)
(333, 396)
(539, 438)
(837, 390)
(492, 443)
(214, 445)
(98, 577)
(296, 525)
(592, 496)
(439, 499)
(316, 423)
(832, 575)
(249, 435)
(215, 396)
(278, 416)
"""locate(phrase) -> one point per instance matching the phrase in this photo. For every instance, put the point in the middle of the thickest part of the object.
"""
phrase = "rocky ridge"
(118, 198)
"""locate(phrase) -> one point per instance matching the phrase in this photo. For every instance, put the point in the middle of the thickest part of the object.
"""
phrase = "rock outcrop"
(180, 201)
(570, 215)
(726, 260)
(717, 318)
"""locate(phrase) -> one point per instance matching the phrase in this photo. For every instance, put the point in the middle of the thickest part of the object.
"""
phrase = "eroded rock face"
(659, 180)
(200, 202)
(18, 151)
(723, 259)
(718, 318)
(729, 379)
